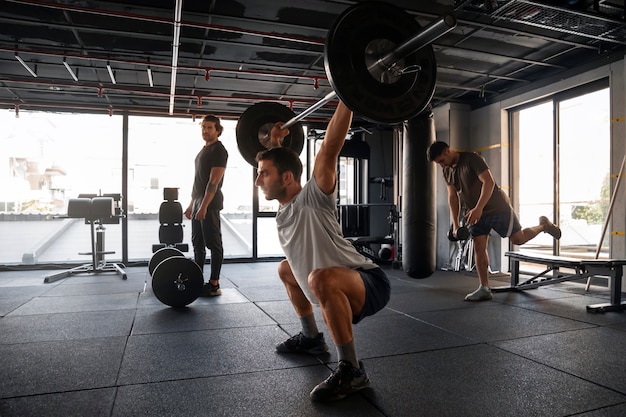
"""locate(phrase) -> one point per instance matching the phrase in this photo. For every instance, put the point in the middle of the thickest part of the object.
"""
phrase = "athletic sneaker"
(210, 290)
(550, 227)
(302, 344)
(345, 380)
(481, 294)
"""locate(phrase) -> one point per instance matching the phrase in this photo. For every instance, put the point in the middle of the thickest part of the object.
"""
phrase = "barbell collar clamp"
(428, 35)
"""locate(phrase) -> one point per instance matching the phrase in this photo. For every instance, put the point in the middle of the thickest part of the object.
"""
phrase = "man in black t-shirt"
(471, 186)
(207, 201)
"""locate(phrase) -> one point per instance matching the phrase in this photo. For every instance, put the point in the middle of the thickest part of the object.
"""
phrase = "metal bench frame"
(98, 263)
(582, 268)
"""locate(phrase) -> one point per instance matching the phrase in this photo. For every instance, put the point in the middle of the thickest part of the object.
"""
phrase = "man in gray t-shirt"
(471, 186)
(321, 267)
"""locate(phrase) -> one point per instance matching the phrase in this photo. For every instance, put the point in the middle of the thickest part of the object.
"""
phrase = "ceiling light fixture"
(69, 69)
(25, 65)
(175, 45)
(111, 75)
(150, 77)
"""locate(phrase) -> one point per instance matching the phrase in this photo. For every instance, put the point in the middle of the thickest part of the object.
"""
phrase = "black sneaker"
(345, 380)
(302, 344)
(210, 290)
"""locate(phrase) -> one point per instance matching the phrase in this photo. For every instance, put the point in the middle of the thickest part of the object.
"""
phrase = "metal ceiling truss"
(498, 45)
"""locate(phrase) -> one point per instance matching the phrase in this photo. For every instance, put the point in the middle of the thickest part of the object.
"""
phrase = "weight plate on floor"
(160, 255)
(255, 124)
(364, 33)
(177, 281)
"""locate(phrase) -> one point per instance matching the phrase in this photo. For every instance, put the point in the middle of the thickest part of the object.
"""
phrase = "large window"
(161, 153)
(563, 170)
(49, 158)
(46, 159)
(535, 157)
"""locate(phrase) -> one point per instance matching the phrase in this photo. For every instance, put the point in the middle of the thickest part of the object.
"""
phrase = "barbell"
(176, 280)
(379, 62)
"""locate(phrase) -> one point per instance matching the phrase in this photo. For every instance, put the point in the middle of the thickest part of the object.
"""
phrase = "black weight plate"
(160, 255)
(462, 233)
(177, 281)
(262, 115)
(356, 29)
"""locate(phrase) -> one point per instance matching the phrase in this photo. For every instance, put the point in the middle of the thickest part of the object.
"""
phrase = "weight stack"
(419, 208)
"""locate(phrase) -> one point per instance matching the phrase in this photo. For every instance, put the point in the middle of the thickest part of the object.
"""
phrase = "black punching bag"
(419, 208)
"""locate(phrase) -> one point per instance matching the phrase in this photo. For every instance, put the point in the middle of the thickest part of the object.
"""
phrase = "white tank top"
(311, 236)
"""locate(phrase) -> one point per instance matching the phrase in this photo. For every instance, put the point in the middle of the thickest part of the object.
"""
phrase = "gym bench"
(96, 210)
(581, 268)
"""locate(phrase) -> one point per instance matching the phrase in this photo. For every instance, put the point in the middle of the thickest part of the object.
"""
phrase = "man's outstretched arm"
(325, 168)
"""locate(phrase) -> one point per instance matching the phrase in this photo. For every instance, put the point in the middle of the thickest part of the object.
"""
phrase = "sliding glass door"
(561, 160)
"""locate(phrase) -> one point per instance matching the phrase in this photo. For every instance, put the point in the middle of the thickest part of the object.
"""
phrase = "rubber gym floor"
(95, 345)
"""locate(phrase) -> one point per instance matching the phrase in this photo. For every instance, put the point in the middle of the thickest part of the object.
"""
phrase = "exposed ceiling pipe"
(175, 45)
(101, 89)
(110, 110)
(156, 64)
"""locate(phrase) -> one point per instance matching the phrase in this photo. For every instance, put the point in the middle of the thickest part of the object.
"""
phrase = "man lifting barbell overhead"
(387, 75)
(206, 202)
(471, 185)
(322, 267)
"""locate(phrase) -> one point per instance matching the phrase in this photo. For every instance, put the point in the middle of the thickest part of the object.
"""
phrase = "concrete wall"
(453, 123)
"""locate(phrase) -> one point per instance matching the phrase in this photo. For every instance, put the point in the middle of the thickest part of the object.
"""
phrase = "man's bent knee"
(319, 280)
(285, 273)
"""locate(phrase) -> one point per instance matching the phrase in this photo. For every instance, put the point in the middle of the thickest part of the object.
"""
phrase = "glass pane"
(268, 244)
(48, 158)
(161, 154)
(584, 124)
(238, 187)
(347, 187)
(536, 167)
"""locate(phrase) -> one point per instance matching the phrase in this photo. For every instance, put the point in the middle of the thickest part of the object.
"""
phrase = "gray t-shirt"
(311, 236)
(464, 178)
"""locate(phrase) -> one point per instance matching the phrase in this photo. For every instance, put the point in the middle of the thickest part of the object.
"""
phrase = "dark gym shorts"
(505, 224)
(377, 292)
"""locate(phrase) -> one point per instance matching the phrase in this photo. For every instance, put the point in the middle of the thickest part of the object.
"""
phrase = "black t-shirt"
(213, 155)
(464, 178)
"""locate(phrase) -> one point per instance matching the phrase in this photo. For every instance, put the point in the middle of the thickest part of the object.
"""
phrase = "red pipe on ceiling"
(166, 66)
(101, 90)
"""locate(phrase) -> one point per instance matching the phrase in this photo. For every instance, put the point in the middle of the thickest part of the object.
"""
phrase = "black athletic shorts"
(377, 292)
(505, 224)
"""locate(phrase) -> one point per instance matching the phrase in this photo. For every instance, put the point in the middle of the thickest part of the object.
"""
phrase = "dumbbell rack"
(98, 263)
